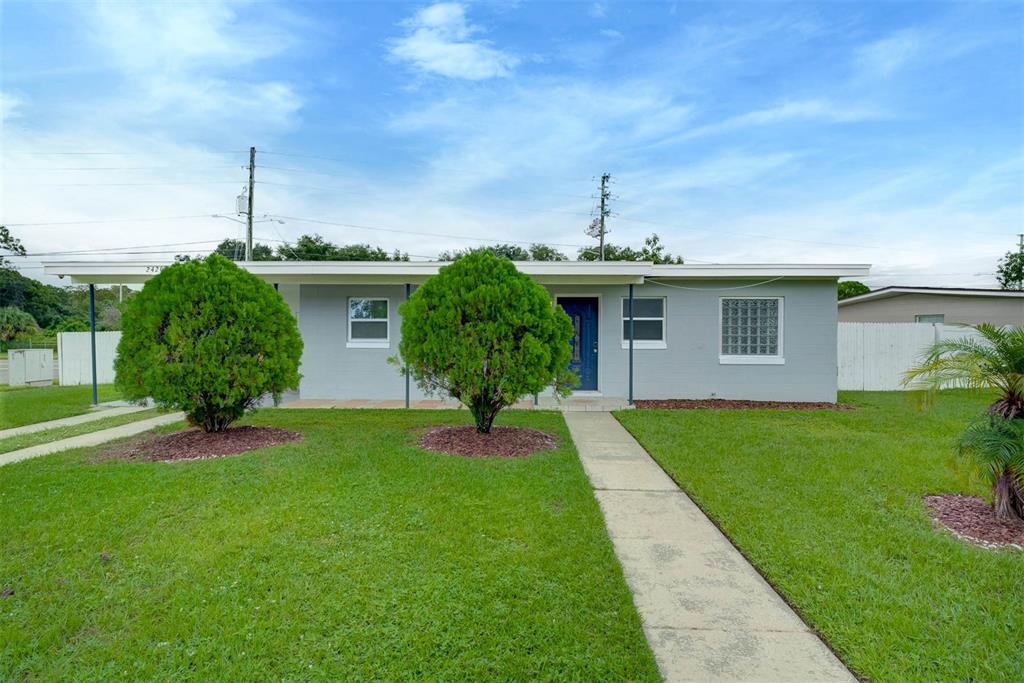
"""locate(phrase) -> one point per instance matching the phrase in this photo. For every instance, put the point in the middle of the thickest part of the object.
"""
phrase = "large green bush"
(486, 334)
(16, 323)
(208, 338)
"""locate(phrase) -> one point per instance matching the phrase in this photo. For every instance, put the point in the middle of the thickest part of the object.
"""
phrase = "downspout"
(408, 292)
(92, 340)
(631, 344)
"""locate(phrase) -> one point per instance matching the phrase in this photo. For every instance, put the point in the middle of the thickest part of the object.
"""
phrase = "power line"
(111, 220)
(185, 182)
(421, 234)
(118, 168)
(125, 154)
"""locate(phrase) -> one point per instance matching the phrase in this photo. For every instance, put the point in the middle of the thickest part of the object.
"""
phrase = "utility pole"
(597, 226)
(252, 183)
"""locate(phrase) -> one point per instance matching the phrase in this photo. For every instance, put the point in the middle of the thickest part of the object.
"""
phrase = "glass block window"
(648, 319)
(751, 327)
(368, 320)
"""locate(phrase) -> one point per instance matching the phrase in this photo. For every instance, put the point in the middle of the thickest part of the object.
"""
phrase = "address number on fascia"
(154, 269)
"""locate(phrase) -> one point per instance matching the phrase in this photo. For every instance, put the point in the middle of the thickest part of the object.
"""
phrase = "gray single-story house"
(948, 305)
(749, 331)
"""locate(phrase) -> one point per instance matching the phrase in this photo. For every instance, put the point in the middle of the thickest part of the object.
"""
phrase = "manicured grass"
(14, 443)
(828, 506)
(28, 405)
(352, 555)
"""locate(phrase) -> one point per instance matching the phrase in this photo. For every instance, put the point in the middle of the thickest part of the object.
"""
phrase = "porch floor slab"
(571, 404)
(707, 613)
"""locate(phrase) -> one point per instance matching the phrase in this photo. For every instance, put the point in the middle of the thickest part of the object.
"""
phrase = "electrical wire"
(112, 220)
(716, 289)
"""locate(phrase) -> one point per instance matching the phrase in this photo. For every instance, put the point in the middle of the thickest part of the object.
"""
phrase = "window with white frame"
(648, 323)
(930, 318)
(751, 330)
(368, 323)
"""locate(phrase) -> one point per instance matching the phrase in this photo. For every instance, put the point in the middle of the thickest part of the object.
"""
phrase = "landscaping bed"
(729, 404)
(509, 442)
(195, 444)
(971, 518)
(350, 555)
(828, 506)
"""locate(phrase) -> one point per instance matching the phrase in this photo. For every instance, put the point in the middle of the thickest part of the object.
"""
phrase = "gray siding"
(688, 368)
(957, 309)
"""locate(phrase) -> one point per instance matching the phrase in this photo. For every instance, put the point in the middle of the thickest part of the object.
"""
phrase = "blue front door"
(582, 311)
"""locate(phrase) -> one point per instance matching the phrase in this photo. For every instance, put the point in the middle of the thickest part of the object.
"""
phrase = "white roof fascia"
(898, 291)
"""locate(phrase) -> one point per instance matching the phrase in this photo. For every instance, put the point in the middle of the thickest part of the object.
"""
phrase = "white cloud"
(9, 105)
(180, 61)
(611, 33)
(794, 110)
(884, 57)
(440, 41)
(598, 10)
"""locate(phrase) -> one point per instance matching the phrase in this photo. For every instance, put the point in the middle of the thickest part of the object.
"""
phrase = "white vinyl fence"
(874, 356)
(75, 359)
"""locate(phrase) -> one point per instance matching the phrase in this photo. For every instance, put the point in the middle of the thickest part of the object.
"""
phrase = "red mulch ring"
(726, 404)
(195, 444)
(972, 519)
(507, 442)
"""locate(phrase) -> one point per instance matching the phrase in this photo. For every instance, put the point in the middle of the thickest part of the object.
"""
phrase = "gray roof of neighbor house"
(888, 292)
(399, 272)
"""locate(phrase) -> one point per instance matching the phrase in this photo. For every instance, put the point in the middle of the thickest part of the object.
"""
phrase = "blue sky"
(888, 133)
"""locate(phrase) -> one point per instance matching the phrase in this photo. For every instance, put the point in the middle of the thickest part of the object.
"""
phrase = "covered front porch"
(575, 403)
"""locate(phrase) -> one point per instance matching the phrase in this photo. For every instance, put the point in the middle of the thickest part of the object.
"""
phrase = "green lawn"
(13, 443)
(828, 506)
(28, 405)
(350, 556)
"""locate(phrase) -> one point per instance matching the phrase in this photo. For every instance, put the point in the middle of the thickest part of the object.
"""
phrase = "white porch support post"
(408, 293)
(631, 344)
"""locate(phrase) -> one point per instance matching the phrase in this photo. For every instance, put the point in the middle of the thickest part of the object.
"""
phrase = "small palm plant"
(996, 445)
(995, 361)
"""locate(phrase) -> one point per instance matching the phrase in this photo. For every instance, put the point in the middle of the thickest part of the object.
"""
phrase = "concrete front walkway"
(707, 613)
(91, 439)
(96, 414)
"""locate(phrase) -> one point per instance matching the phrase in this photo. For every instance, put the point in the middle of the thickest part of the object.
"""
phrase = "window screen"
(368, 319)
(648, 319)
(750, 327)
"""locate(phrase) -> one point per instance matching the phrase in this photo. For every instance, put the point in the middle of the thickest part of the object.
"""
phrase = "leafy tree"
(852, 288)
(235, 251)
(996, 447)
(512, 252)
(542, 252)
(1010, 271)
(486, 334)
(653, 250)
(15, 324)
(46, 303)
(316, 248)
(995, 362)
(209, 338)
(11, 244)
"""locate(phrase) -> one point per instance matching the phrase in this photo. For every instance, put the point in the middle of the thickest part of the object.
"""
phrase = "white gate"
(874, 356)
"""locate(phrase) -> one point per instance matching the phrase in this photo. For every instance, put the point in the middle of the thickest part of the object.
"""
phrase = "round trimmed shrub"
(485, 334)
(208, 338)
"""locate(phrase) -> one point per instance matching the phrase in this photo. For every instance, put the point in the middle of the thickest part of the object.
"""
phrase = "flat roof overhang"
(415, 272)
(351, 272)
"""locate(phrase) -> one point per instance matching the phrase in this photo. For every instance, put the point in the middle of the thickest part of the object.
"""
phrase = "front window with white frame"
(368, 324)
(751, 330)
(648, 323)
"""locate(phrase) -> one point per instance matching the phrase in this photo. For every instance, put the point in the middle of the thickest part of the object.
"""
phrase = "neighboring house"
(947, 305)
(762, 332)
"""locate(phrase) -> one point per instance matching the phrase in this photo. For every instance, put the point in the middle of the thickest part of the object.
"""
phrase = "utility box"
(30, 367)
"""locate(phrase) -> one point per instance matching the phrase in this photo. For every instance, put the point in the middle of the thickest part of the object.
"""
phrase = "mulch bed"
(507, 442)
(971, 519)
(726, 404)
(195, 444)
